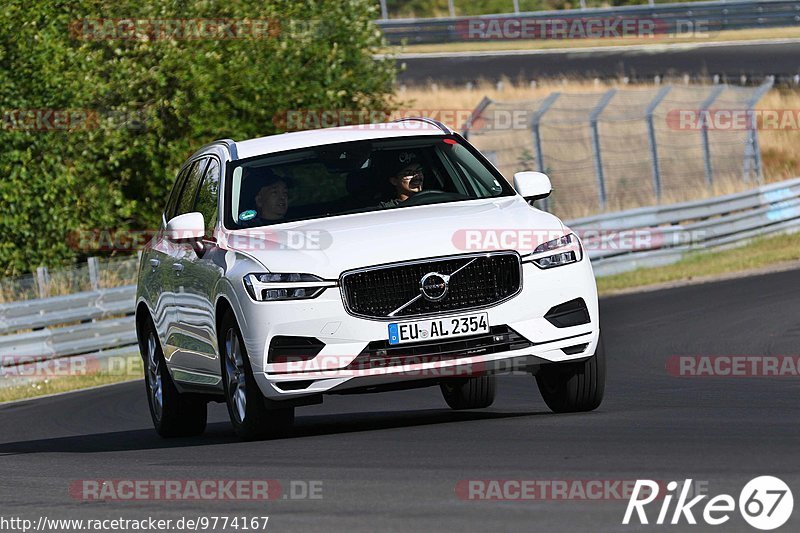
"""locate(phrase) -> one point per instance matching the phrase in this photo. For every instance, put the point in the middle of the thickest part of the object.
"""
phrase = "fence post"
(752, 151)
(43, 280)
(715, 92)
(94, 279)
(475, 115)
(598, 160)
(536, 119)
(651, 134)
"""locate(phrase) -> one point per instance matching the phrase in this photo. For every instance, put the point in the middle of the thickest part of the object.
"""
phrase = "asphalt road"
(701, 60)
(391, 461)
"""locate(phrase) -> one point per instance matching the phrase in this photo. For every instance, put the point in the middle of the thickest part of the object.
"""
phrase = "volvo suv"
(353, 260)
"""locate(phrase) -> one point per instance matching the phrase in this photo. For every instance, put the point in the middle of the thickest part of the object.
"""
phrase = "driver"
(407, 182)
(272, 199)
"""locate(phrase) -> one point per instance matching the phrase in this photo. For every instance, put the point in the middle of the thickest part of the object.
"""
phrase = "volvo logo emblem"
(433, 286)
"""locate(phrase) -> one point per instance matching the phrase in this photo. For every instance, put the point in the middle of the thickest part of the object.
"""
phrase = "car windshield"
(356, 177)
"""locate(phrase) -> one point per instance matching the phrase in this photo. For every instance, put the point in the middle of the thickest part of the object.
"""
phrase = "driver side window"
(207, 195)
(169, 211)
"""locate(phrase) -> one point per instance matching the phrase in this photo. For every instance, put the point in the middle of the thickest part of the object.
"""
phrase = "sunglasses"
(415, 174)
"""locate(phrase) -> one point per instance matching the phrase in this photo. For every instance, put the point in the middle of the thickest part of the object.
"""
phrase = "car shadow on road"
(222, 433)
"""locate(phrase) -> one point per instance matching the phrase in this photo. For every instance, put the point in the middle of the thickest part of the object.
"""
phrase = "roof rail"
(427, 120)
(231, 144)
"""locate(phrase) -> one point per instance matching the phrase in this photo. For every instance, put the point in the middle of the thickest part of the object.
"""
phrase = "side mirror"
(187, 228)
(532, 185)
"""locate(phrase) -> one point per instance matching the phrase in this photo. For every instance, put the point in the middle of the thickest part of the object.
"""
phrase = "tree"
(128, 111)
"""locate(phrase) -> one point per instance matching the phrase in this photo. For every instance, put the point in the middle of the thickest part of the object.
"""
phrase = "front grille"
(380, 354)
(477, 281)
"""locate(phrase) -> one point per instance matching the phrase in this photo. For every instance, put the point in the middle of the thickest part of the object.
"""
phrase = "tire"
(174, 414)
(574, 387)
(247, 407)
(471, 393)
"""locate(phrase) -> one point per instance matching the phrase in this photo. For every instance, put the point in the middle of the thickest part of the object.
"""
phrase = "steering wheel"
(434, 195)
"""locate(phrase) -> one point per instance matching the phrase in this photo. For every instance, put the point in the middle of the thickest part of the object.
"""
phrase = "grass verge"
(67, 383)
(759, 253)
(548, 44)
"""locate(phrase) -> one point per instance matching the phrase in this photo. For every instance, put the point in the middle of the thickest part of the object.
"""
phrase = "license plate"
(438, 328)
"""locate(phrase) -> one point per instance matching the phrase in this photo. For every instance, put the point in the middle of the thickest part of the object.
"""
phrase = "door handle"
(177, 267)
(154, 263)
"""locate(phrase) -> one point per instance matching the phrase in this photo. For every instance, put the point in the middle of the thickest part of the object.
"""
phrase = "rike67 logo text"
(765, 503)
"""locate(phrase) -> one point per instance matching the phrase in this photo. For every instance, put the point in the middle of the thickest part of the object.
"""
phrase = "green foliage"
(152, 102)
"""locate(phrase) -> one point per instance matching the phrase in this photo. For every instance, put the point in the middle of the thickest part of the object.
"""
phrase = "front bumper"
(346, 336)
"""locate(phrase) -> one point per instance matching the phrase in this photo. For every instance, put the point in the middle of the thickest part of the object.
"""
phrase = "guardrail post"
(651, 134)
(476, 113)
(752, 151)
(43, 281)
(598, 160)
(94, 278)
(715, 92)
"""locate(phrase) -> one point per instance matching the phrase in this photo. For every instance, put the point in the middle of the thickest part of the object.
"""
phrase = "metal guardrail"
(82, 306)
(672, 18)
(67, 325)
(665, 234)
(101, 323)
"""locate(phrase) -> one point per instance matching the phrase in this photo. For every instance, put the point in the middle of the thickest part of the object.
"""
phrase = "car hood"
(329, 246)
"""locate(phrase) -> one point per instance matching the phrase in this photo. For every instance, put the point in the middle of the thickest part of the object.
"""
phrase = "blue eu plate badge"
(394, 336)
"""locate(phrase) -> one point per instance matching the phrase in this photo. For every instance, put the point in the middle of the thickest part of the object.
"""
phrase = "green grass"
(71, 383)
(758, 253)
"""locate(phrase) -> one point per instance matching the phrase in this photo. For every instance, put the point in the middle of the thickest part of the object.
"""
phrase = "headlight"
(558, 252)
(276, 287)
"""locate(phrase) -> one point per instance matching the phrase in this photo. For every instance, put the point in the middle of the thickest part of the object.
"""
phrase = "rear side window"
(189, 192)
(207, 195)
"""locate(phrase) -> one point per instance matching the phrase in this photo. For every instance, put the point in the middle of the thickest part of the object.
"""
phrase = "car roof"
(305, 139)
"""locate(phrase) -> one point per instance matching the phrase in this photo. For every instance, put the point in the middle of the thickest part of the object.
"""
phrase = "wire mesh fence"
(95, 274)
(626, 148)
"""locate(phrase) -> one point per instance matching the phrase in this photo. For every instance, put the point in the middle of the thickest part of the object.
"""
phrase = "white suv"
(358, 259)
